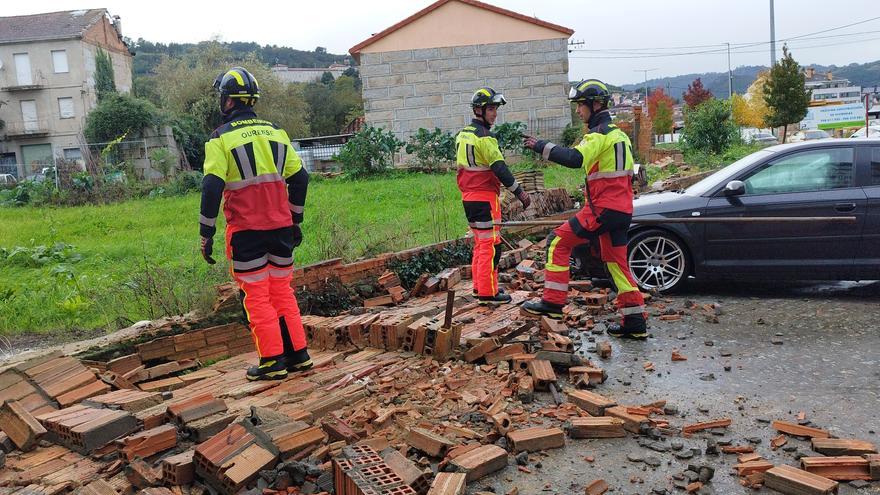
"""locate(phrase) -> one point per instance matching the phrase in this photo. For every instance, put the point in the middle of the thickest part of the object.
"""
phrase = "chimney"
(829, 76)
(117, 21)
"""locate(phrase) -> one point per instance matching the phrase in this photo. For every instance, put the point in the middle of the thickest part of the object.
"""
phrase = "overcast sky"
(649, 28)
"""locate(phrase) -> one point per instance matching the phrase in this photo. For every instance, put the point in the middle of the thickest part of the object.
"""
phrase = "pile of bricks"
(206, 344)
(361, 471)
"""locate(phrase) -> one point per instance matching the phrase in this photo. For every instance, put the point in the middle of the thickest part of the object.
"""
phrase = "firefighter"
(605, 154)
(252, 165)
(481, 172)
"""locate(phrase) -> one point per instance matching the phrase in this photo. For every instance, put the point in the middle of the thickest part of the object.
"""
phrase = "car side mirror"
(735, 188)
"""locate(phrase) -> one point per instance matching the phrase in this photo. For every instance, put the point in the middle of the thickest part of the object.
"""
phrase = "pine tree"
(105, 83)
(696, 94)
(784, 92)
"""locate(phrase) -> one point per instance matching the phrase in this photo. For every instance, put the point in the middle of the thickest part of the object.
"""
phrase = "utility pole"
(646, 82)
(772, 36)
(729, 75)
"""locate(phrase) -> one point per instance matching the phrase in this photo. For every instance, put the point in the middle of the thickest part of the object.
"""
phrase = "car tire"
(658, 260)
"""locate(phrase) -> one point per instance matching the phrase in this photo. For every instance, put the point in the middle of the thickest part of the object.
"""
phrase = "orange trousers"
(483, 212)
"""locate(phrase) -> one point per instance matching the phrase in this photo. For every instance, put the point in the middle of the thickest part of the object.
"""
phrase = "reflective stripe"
(482, 225)
(295, 208)
(469, 151)
(210, 222)
(556, 286)
(280, 273)
(252, 277)
(474, 169)
(513, 187)
(260, 179)
(632, 310)
(280, 155)
(250, 265)
(621, 281)
(619, 156)
(246, 165)
(549, 266)
(485, 235)
(547, 149)
(610, 175)
(278, 260)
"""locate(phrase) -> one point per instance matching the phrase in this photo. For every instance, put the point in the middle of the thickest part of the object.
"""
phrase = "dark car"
(826, 178)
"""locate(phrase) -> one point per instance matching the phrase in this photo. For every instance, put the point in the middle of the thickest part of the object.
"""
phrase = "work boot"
(634, 327)
(271, 368)
(500, 291)
(299, 360)
(496, 300)
(543, 308)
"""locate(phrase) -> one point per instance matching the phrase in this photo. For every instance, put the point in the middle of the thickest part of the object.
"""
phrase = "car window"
(875, 166)
(813, 170)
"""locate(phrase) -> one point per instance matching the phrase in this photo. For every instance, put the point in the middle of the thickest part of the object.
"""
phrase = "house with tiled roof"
(422, 71)
(47, 84)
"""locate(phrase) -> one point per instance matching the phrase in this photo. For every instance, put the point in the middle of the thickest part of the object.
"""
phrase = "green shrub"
(369, 152)
(510, 135)
(432, 148)
(709, 128)
(572, 134)
(117, 115)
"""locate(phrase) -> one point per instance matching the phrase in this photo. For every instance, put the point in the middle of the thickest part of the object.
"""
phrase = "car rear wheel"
(658, 260)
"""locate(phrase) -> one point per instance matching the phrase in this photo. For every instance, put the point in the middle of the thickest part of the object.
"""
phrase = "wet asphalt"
(812, 348)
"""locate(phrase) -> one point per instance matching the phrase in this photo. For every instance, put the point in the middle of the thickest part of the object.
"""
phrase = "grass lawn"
(140, 258)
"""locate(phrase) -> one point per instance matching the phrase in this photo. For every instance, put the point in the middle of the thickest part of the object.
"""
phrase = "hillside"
(148, 54)
(867, 74)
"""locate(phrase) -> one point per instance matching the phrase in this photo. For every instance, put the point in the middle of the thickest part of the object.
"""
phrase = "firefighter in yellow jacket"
(251, 164)
(481, 173)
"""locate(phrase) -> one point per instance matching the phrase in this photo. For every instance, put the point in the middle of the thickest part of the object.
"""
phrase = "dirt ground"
(810, 348)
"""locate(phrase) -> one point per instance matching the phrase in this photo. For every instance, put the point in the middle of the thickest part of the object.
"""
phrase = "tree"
(750, 110)
(117, 115)
(663, 118)
(105, 82)
(656, 97)
(696, 94)
(709, 127)
(786, 97)
(331, 106)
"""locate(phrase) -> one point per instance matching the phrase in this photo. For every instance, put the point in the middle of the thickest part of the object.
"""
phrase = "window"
(72, 154)
(65, 108)
(814, 170)
(875, 166)
(59, 61)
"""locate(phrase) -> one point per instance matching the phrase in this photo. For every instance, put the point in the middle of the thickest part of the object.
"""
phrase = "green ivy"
(431, 262)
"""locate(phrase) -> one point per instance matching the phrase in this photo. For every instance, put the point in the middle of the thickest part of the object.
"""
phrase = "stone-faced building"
(422, 71)
(47, 83)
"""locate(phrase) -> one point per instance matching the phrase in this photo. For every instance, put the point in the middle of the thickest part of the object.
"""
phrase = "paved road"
(826, 362)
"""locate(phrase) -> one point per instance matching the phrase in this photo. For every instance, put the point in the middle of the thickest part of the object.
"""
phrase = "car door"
(867, 264)
(812, 182)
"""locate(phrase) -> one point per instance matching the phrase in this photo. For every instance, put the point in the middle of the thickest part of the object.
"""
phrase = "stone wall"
(409, 89)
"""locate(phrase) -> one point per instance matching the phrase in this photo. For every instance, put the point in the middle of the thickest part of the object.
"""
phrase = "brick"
(504, 353)
(481, 462)
(535, 439)
(411, 475)
(603, 348)
(841, 468)
(596, 487)
(593, 403)
(542, 372)
(163, 385)
(631, 422)
(873, 465)
(92, 435)
(98, 487)
(840, 446)
(448, 484)
(799, 431)
(687, 430)
(300, 440)
(179, 469)
(428, 442)
(793, 481)
(128, 400)
(750, 467)
(603, 427)
(245, 466)
(195, 408)
(149, 442)
(202, 429)
(124, 364)
(82, 393)
(20, 426)
(525, 389)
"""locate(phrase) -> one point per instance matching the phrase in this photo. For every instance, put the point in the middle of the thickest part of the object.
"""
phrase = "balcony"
(27, 129)
(38, 81)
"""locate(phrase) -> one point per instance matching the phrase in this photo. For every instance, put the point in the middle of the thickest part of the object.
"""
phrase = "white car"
(873, 130)
(808, 135)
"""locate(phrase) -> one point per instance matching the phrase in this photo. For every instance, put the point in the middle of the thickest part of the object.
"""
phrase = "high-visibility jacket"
(481, 166)
(608, 164)
(253, 157)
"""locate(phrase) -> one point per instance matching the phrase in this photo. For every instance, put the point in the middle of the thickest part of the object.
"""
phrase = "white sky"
(340, 24)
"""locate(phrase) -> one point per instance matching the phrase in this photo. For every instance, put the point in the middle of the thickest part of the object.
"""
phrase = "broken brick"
(481, 461)
(428, 442)
(841, 468)
(596, 487)
(602, 427)
(799, 431)
(20, 426)
(790, 480)
(593, 403)
(705, 425)
(149, 442)
(840, 446)
(448, 484)
(535, 439)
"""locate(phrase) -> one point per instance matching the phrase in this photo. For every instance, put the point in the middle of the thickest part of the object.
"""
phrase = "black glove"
(297, 236)
(207, 248)
(524, 198)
